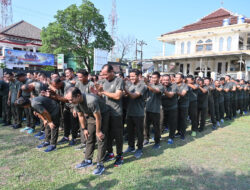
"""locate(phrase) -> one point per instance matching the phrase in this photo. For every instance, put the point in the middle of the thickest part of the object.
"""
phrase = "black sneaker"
(109, 157)
(18, 126)
(129, 149)
(138, 153)
(63, 140)
(84, 164)
(72, 142)
(118, 161)
(145, 142)
(99, 169)
(177, 135)
(156, 146)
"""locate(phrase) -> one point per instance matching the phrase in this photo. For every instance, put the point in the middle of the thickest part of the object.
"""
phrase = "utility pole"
(140, 43)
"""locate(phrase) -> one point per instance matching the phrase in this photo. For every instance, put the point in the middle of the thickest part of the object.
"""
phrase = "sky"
(140, 19)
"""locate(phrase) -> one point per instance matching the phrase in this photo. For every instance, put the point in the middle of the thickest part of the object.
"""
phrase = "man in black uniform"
(48, 111)
(111, 88)
(211, 111)
(202, 103)
(217, 101)
(227, 97)
(183, 104)
(153, 106)
(71, 124)
(4, 92)
(84, 86)
(170, 106)
(94, 125)
(193, 107)
(135, 112)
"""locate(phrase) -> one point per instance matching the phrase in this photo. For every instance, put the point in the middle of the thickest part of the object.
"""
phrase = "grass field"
(213, 160)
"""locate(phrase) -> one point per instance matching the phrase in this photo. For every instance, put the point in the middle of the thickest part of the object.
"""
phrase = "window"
(182, 48)
(229, 41)
(199, 46)
(181, 68)
(188, 68)
(209, 45)
(221, 44)
(188, 47)
(219, 67)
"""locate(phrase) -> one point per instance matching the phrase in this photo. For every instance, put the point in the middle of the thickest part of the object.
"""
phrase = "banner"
(100, 59)
(18, 57)
(60, 61)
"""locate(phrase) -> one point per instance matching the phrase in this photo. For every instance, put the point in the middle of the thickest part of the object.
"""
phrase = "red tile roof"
(214, 19)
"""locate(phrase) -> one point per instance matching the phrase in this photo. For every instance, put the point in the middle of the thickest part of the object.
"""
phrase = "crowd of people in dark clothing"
(100, 108)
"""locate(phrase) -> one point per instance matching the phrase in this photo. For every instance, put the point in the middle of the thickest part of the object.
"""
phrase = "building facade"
(20, 36)
(216, 45)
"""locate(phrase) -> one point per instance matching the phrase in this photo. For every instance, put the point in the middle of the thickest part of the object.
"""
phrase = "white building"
(216, 45)
(19, 36)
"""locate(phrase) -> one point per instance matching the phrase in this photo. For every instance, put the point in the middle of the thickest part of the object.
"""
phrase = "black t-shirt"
(4, 88)
(91, 104)
(203, 98)
(183, 101)
(41, 103)
(136, 106)
(192, 93)
(153, 103)
(170, 103)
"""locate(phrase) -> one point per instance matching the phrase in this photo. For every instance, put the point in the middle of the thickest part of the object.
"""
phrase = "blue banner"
(25, 57)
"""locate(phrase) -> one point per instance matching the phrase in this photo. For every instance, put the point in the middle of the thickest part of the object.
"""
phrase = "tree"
(125, 45)
(77, 31)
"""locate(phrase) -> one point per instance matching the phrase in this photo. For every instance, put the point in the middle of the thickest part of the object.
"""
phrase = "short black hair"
(156, 73)
(136, 71)
(110, 67)
(57, 80)
(83, 72)
(166, 75)
(191, 77)
(74, 91)
(182, 76)
(222, 79)
(228, 76)
(69, 69)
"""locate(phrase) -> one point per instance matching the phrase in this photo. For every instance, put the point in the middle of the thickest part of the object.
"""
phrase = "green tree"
(77, 31)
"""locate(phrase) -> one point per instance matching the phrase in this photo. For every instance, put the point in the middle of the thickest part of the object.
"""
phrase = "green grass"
(213, 160)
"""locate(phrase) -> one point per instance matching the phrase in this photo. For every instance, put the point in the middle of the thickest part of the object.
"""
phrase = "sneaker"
(177, 134)
(222, 121)
(84, 164)
(42, 137)
(138, 153)
(44, 144)
(145, 142)
(182, 137)
(63, 140)
(218, 124)
(201, 129)
(109, 157)
(156, 146)
(170, 141)
(18, 126)
(214, 127)
(99, 169)
(129, 149)
(118, 161)
(72, 142)
(80, 146)
(40, 133)
(24, 129)
(50, 148)
(193, 134)
(30, 131)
